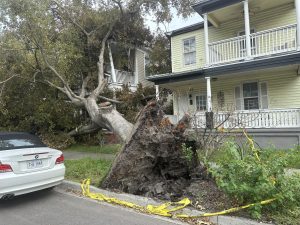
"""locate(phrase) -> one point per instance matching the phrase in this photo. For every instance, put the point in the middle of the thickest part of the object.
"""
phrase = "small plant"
(187, 152)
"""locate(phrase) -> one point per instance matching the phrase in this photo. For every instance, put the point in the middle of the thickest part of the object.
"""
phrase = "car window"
(9, 142)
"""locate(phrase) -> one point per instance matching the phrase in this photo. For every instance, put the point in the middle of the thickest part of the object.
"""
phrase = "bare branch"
(119, 3)
(66, 85)
(2, 82)
(101, 80)
(85, 129)
(84, 85)
(110, 100)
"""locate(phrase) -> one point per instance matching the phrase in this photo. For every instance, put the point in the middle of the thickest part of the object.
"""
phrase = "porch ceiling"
(236, 11)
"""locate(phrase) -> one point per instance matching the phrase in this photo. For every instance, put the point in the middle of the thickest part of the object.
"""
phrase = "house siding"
(140, 68)
(268, 19)
(177, 51)
(283, 90)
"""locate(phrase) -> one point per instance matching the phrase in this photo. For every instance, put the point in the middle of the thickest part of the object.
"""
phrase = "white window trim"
(259, 94)
(195, 100)
(183, 53)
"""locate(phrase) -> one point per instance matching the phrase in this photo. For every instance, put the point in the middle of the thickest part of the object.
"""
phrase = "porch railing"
(123, 77)
(271, 118)
(268, 42)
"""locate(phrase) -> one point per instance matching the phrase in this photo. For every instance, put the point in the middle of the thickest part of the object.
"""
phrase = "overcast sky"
(177, 22)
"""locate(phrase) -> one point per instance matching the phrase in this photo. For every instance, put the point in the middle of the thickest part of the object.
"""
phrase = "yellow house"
(243, 64)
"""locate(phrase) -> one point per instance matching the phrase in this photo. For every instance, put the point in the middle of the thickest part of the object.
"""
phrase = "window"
(251, 97)
(201, 103)
(189, 51)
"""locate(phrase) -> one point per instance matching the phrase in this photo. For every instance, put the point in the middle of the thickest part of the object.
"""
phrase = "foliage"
(30, 107)
(187, 152)
(59, 140)
(159, 56)
(249, 180)
(95, 169)
(105, 149)
(230, 150)
(132, 102)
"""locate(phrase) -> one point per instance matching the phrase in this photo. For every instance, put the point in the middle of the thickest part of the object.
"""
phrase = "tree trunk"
(151, 162)
(109, 118)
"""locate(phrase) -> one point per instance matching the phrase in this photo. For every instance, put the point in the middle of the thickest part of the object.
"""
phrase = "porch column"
(247, 28)
(297, 6)
(157, 92)
(206, 39)
(208, 88)
(112, 66)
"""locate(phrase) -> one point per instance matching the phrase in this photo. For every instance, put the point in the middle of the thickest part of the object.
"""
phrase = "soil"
(206, 196)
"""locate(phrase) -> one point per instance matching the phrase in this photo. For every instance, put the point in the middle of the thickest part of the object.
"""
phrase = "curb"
(143, 201)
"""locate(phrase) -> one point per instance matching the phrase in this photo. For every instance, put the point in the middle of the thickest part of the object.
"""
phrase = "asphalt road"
(59, 208)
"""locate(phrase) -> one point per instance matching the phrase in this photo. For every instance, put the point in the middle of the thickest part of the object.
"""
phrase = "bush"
(249, 180)
(59, 140)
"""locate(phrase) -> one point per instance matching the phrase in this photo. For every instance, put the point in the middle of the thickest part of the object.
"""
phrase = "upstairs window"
(189, 51)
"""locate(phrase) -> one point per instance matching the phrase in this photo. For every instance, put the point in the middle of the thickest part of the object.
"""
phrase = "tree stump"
(152, 163)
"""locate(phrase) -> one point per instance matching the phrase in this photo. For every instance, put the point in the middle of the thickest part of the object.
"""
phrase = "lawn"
(105, 149)
(95, 169)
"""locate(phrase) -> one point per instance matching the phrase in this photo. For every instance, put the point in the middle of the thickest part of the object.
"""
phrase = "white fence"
(272, 118)
(272, 41)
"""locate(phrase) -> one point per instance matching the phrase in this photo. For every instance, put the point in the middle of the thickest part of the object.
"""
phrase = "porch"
(264, 43)
(249, 119)
(267, 118)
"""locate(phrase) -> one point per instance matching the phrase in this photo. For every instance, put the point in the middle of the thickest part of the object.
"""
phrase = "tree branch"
(110, 100)
(84, 85)
(68, 90)
(85, 129)
(101, 80)
(2, 82)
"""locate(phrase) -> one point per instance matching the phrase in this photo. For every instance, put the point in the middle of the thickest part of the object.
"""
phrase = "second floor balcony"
(260, 28)
(264, 43)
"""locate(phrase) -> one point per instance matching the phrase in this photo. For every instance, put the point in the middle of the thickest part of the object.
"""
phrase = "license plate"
(34, 164)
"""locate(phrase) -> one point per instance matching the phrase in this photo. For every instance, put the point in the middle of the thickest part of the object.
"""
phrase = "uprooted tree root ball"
(152, 163)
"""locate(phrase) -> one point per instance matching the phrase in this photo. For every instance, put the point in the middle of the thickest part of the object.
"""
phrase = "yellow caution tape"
(251, 142)
(166, 209)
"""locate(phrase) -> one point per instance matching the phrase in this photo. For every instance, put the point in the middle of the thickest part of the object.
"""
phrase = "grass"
(94, 169)
(105, 149)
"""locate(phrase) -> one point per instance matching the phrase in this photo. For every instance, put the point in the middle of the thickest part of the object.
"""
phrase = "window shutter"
(238, 98)
(264, 101)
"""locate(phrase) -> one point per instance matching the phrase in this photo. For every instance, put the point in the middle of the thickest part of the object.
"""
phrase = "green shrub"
(187, 152)
(59, 140)
(249, 180)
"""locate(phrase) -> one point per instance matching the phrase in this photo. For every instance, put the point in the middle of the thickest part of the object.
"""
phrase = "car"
(27, 165)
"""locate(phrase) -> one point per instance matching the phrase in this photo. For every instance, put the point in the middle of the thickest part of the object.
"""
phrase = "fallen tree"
(63, 44)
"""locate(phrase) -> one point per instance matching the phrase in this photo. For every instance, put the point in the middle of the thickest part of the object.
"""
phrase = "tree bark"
(109, 118)
(151, 163)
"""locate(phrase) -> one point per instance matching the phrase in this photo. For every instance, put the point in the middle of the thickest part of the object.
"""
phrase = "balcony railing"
(271, 118)
(268, 42)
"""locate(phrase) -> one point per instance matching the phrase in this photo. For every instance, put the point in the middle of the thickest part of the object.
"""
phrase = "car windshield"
(18, 141)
